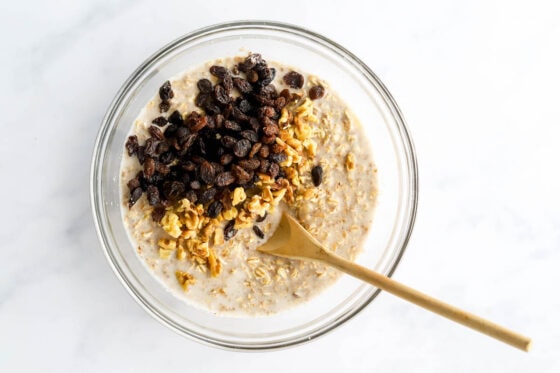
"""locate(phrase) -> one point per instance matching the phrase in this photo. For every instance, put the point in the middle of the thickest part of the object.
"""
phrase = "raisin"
(210, 122)
(245, 66)
(250, 135)
(133, 183)
(181, 132)
(249, 164)
(162, 168)
(242, 148)
(195, 185)
(158, 213)
(191, 196)
(134, 196)
(293, 79)
(166, 157)
(244, 106)
(132, 145)
(269, 139)
(279, 103)
(188, 141)
(266, 111)
(240, 116)
(189, 166)
(263, 100)
(173, 190)
(171, 131)
(266, 121)
(207, 195)
(164, 106)
(277, 148)
(204, 85)
(201, 145)
(160, 121)
(252, 76)
(226, 159)
(155, 132)
(271, 130)
(255, 59)
(229, 230)
(191, 118)
(224, 196)
(228, 110)
(174, 144)
(153, 195)
(215, 209)
(227, 82)
(273, 170)
(264, 151)
(242, 85)
(249, 62)
(268, 91)
(265, 165)
(211, 108)
(316, 92)
(242, 176)
(232, 126)
(207, 172)
(258, 232)
(317, 175)
(141, 154)
(199, 123)
(228, 141)
(255, 124)
(219, 120)
(266, 75)
(201, 100)
(218, 71)
(277, 158)
(285, 93)
(162, 147)
(260, 219)
(149, 167)
(221, 95)
(185, 179)
(156, 179)
(150, 147)
(165, 91)
(224, 179)
(197, 159)
(176, 118)
(255, 149)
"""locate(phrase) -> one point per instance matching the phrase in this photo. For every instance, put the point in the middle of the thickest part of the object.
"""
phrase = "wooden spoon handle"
(425, 301)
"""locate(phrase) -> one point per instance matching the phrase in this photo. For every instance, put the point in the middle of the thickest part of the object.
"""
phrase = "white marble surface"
(479, 85)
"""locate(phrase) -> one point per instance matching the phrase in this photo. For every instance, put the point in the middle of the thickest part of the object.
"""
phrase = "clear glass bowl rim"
(109, 118)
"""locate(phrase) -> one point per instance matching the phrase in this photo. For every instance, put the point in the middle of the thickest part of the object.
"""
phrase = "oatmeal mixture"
(214, 159)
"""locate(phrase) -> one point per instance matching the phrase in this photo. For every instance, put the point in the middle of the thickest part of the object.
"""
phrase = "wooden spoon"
(291, 240)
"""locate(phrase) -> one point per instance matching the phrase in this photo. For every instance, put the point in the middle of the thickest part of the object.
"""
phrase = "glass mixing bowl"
(392, 151)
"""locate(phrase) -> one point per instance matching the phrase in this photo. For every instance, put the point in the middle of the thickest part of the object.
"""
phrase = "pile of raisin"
(203, 155)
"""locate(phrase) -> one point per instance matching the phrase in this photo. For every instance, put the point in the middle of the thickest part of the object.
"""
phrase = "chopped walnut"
(238, 196)
(219, 237)
(230, 214)
(181, 253)
(170, 223)
(185, 279)
(214, 264)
